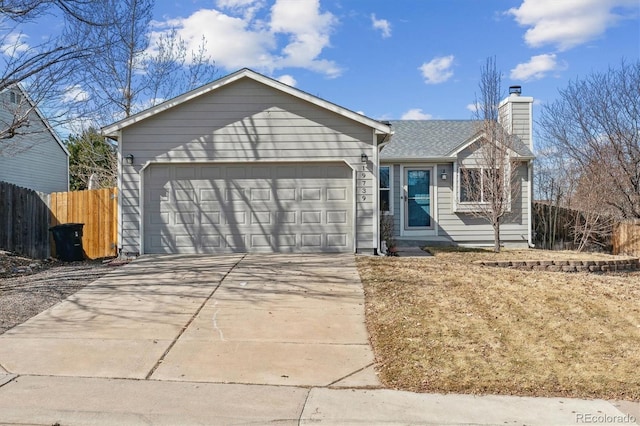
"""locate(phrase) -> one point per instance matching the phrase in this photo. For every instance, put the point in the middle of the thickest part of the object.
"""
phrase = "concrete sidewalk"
(95, 401)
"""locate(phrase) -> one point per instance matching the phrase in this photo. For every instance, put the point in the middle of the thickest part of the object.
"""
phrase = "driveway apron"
(260, 319)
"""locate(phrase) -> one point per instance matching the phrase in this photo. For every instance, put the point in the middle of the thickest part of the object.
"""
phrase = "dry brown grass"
(442, 324)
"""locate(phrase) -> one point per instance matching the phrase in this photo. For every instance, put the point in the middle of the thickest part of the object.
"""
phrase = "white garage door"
(210, 208)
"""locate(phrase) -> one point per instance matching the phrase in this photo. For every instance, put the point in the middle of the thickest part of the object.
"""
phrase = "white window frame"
(474, 206)
(390, 189)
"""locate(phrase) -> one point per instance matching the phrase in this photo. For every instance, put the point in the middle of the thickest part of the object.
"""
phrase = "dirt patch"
(28, 286)
(445, 324)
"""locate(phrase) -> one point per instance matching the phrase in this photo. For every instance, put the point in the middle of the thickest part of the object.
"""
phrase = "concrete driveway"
(195, 340)
(255, 319)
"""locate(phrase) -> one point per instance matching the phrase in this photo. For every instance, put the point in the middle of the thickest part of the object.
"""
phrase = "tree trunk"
(496, 236)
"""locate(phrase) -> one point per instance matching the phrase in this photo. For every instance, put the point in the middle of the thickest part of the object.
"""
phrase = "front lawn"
(444, 324)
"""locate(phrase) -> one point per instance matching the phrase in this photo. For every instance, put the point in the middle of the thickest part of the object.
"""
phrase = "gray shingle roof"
(427, 139)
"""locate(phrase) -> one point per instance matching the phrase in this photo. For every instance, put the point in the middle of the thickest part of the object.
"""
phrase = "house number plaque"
(363, 183)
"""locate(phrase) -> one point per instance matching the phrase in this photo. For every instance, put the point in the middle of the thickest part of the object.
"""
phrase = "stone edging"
(629, 264)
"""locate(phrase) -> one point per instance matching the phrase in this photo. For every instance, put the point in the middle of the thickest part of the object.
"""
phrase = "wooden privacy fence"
(626, 238)
(24, 221)
(26, 216)
(97, 209)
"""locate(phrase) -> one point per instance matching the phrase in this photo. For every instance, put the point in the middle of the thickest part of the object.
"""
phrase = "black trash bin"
(68, 239)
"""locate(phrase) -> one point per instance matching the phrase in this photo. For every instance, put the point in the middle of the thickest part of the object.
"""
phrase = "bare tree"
(137, 69)
(488, 175)
(44, 70)
(595, 127)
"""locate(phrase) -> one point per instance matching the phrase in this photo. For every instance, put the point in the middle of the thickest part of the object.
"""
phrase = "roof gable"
(40, 116)
(113, 129)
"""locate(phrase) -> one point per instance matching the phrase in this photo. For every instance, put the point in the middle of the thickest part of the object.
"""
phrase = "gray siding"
(35, 161)
(515, 114)
(464, 227)
(247, 121)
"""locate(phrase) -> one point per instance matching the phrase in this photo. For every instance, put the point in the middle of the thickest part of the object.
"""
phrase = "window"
(385, 189)
(475, 185)
(15, 97)
(470, 185)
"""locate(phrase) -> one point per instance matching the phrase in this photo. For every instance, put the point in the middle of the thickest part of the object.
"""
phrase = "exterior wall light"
(364, 158)
(443, 174)
(129, 159)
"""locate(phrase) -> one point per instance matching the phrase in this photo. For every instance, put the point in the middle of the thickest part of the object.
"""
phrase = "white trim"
(376, 194)
(530, 203)
(169, 162)
(141, 196)
(476, 206)
(426, 232)
(390, 189)
(247, 162)
(119, 183)
(111, 130)
(354, 207)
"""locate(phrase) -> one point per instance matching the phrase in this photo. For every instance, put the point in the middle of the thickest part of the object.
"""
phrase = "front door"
(417, 199)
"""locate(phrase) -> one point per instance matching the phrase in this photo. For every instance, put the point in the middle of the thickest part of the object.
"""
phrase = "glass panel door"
(418, 198)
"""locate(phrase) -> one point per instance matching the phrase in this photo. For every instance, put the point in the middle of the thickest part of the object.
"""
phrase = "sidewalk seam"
(12, 377)
(193, 317)
(350, 374)
(304, 405)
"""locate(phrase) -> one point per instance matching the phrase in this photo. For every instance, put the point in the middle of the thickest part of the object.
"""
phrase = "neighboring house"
(420, 179)
(35, 158)
(247, 163)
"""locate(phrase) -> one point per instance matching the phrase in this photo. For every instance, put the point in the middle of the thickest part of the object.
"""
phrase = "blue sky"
(411, 58)
(408, 59)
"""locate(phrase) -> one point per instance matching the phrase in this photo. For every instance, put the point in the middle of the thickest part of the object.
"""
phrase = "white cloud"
(294, 34)
(472, 107)
(308, 31)
(75, 93)
(248, 8)
(566, 24)
(416, 114)
(230, 40)
(288, 80)
(537, 67)
(381, 24)
(438, 70)
(14, 44)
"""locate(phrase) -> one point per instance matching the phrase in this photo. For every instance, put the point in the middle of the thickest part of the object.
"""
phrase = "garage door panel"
(337, 216)
(185, 219)
(235, 218)
(312, 240)
(211, 241)
(234, 194)
(336, 194)
(337, 240)
(260, 194)
(285, 194)
(307, 217)
(285, 217)
(262, 208)
(261, 218)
